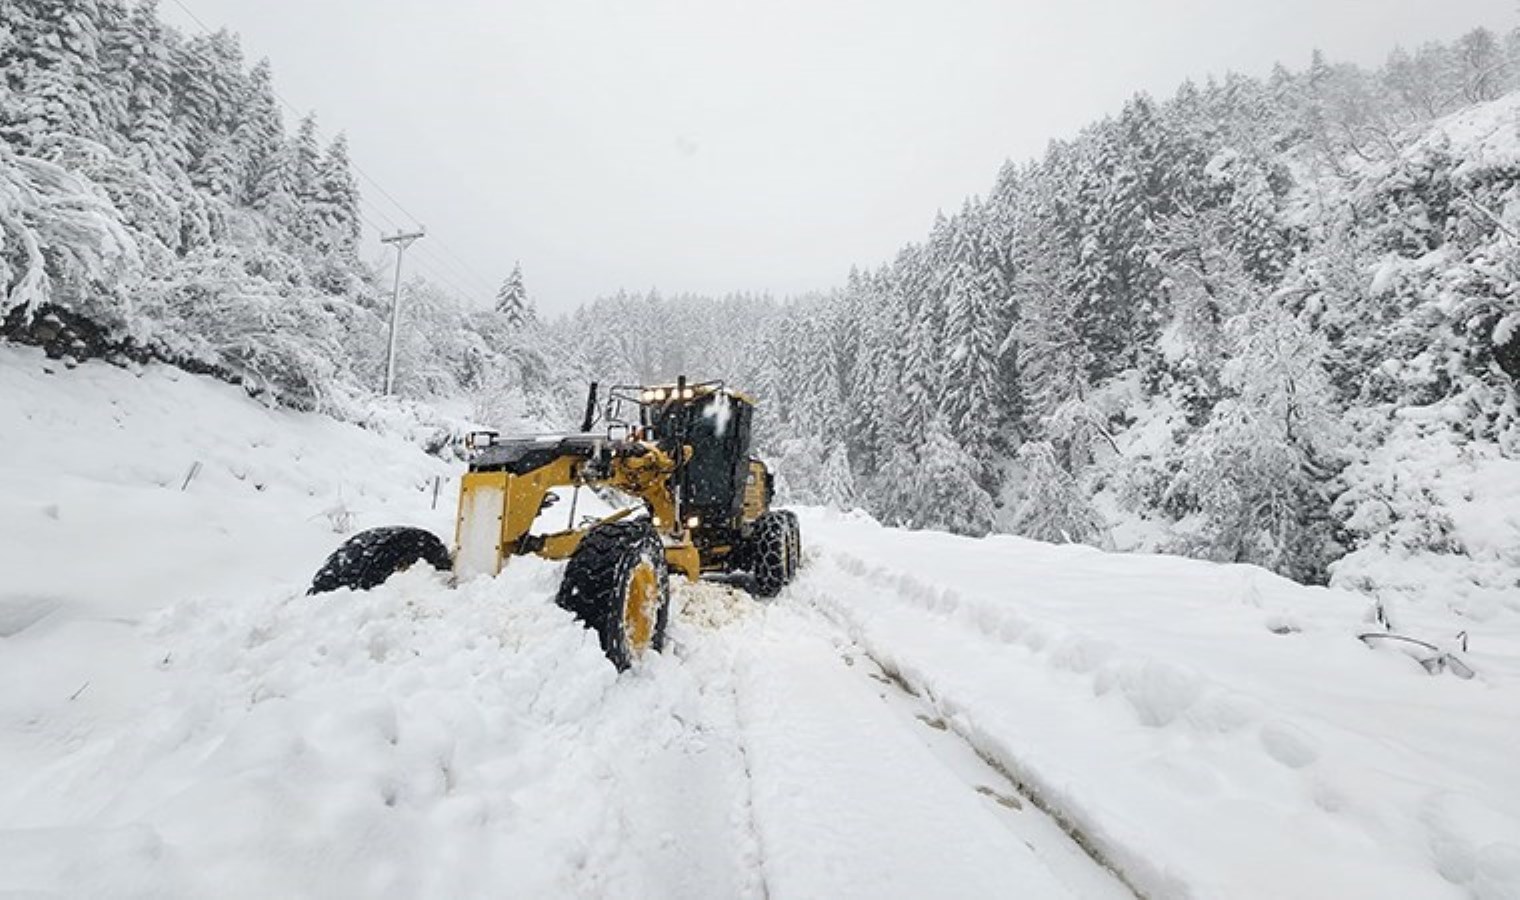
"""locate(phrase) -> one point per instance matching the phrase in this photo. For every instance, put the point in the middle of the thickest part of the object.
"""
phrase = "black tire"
(603, 583)
(370, 557)
(767, 554)
(794, 543)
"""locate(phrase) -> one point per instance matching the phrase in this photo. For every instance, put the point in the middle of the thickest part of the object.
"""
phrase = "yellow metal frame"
(646, 476)
(754, 492)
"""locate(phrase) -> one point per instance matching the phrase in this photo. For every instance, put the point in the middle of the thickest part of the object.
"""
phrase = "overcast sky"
(714, 145)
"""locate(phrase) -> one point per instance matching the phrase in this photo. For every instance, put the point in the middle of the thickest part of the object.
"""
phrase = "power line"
(197, 19)
(422, 264)
(478, 284)
(478, 276)
(443, 278)
(377, 211)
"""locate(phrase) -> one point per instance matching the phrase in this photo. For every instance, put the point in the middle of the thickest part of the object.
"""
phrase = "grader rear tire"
(370, 557)
(617, 584)
(768, 554)
(794, 543)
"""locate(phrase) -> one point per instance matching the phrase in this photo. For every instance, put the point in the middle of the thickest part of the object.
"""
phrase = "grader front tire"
(370, 557)
(617, 584)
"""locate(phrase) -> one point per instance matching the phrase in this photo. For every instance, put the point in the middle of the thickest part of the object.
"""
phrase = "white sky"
(716, 145)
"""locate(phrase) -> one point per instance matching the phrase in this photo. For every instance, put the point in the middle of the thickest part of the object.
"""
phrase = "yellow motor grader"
(701, 504)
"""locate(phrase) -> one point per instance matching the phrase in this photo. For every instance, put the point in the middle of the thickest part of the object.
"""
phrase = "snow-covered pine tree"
(1055, 505)
(862, 313)
(139, 51)
(1053, 365)
(305, 170)
(50, 60)
(208, 92)
(1206, 282)
(974, 333)
(818, 409)
(837, 488)
(512, 301)
(335, 205)
(259, 138)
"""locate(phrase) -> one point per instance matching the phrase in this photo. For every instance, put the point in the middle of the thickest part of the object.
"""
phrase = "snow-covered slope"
(179, 720)
(101, 509)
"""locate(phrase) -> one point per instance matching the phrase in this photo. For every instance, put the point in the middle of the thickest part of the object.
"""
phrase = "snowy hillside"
(182, 721)
(1273, 321)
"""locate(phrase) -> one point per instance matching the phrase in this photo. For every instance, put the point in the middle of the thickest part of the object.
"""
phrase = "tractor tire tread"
(794, 542)
(592, 586)
(767, 555)
(370, 557)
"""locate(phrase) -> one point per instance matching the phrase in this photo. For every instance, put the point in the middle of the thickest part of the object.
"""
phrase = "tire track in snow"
(851, 793)
(704, 611)
(1065, 820)
(1073, 839)
(1079, 839)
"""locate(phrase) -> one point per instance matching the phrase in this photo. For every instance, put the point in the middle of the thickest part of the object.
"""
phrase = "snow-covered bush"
(1055, 507)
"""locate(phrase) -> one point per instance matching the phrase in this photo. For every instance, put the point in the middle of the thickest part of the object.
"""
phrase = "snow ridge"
(1174, 745)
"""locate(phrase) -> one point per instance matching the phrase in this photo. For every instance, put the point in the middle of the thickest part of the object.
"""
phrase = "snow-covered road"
(917, 715)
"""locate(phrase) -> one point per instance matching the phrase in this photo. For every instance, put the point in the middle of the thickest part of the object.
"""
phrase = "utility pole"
(402, 241)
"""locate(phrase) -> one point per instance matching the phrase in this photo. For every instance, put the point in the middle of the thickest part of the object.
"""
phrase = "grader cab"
(700, 503)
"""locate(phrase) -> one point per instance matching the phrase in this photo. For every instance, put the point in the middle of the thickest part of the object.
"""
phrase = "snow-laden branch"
(54, 229)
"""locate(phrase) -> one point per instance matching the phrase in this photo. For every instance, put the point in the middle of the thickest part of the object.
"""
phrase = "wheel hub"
(640, 606)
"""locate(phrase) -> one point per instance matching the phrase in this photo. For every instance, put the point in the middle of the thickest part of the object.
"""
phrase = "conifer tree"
(336, 202)
(838, 482)
(52, 74)
(259, 138)
(512, 301)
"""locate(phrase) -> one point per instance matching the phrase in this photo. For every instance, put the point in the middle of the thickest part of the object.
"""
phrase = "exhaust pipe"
(590, 409)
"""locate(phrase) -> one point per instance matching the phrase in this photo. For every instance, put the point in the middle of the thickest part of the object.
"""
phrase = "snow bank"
(1442, 519)
(123, 490)
(407, 741)
(1215, 731)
